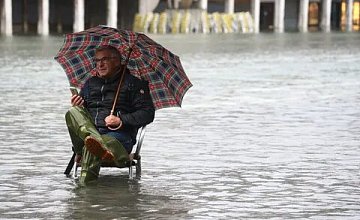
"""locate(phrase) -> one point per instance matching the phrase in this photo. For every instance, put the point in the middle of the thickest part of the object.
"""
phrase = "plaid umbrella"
(149, 60)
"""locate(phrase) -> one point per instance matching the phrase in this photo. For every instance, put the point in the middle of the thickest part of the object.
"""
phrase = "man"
(107, 137)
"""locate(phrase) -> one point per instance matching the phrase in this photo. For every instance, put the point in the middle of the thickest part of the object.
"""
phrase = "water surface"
(270, 130)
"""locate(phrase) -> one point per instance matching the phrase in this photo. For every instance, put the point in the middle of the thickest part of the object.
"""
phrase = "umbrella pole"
(120, 83)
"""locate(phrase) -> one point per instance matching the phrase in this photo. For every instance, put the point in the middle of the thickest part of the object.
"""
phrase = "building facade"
(53, 16)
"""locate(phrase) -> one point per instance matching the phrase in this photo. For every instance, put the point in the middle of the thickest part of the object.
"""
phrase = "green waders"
(80, 126)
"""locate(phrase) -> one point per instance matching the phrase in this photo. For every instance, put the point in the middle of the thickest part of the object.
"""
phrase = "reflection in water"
(127, 199)
(270, 130)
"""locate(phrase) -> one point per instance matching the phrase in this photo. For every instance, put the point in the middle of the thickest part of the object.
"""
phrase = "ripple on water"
(267, 131)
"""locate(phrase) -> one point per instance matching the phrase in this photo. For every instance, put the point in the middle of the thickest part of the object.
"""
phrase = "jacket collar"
(113, 77)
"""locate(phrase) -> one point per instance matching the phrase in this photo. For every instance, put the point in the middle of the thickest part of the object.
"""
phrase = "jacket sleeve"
(84, 93)
(141, 102)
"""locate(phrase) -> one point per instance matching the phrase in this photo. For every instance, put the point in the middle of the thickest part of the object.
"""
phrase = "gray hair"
(112, 50)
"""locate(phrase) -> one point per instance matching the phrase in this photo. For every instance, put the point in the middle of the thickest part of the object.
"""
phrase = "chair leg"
(70, 165)
(138, 168)
(75, 169)
(130, 170)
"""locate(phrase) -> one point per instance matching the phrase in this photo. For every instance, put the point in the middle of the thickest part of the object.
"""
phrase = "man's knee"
(78, 115)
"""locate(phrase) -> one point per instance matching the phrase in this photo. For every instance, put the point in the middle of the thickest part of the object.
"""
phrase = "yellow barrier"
(185, 21)
(162, 23)
(175, 22)
(154, 24)
(205, 22)
(138, 20)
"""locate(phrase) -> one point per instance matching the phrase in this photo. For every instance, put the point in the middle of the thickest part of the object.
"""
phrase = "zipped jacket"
(134, 105)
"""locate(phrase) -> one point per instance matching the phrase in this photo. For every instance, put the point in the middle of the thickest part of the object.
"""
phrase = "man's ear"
(119, 62)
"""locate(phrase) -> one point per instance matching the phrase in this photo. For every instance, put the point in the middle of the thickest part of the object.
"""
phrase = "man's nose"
(100, 63)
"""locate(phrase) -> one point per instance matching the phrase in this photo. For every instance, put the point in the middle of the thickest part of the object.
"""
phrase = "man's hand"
(77, 100)
(112, 121)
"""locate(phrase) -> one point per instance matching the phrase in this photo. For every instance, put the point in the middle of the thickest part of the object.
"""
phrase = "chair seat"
(135, 158)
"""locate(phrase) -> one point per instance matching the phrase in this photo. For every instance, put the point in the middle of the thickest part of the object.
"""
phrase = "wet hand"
(112, 121)
(77, 100)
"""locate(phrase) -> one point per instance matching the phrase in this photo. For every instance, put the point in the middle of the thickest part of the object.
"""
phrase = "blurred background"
(180, 16)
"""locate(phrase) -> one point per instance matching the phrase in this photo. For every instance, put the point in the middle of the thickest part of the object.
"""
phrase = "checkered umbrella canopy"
(149, 60)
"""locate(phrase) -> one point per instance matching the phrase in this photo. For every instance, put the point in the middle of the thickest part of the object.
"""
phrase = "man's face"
(106, 63)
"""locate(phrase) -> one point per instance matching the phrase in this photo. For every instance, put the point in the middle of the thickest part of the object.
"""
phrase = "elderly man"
(106, 136)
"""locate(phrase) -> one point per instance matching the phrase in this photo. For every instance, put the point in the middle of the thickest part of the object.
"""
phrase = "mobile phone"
(74, 91)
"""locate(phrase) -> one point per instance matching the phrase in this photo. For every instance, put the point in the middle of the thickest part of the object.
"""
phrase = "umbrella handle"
(118, 89)
(114, 129)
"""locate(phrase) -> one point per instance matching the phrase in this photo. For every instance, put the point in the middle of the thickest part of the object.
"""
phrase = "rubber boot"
(80, 125)
(90, 167)
(120, 154)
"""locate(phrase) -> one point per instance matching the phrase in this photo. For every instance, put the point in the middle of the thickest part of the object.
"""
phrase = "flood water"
(270, 130)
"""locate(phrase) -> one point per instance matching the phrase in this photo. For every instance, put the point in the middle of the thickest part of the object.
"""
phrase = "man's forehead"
(106, 51)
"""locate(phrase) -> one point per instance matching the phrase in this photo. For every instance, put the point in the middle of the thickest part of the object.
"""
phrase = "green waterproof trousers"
(81, 125)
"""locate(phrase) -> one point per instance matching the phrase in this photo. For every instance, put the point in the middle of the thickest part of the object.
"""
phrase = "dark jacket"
(134, 105)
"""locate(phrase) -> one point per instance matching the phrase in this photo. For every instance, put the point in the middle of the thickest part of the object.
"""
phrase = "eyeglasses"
(104, 60)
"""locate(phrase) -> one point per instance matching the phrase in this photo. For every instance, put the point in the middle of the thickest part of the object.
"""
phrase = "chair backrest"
(140, 139)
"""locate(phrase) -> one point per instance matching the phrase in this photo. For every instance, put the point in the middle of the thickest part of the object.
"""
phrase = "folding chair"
(134, 158)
